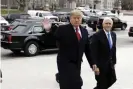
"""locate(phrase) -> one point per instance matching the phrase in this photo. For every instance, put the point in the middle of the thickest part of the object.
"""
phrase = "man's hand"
(96, 69)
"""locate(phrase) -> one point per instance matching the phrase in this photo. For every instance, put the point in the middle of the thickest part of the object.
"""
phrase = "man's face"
(76, 20)
(107, 25)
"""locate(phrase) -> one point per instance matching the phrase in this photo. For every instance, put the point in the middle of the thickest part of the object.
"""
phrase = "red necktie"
(77, 33)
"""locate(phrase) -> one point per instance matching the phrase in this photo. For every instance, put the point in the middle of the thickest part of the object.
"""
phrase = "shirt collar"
(106, 31)
(75, 28)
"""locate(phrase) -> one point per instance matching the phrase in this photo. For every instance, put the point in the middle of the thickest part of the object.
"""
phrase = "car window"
(37, 29)
(40, 14)
(116, 19)
(19, 28)
(37, 14)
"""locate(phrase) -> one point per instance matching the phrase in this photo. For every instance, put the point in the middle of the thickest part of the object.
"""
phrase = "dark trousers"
(106, 78)
(69, 74)
(0, 73)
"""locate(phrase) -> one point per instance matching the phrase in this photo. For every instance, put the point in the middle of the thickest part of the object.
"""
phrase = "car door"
(117, 22)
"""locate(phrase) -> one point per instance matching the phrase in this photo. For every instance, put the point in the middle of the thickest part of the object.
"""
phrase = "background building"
(97, 4)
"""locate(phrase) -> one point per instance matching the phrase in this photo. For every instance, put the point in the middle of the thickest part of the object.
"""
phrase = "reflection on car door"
(117, 22)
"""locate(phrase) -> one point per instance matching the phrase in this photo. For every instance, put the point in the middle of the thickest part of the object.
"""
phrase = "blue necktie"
(109, 40)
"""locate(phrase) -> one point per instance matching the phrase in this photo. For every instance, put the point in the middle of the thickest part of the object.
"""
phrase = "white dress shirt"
(110, 36)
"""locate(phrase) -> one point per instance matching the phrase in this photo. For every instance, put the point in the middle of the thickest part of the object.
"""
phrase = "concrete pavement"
(21, 73)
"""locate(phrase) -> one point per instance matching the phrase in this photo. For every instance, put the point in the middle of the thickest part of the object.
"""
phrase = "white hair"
(107, 19)
(76, 12)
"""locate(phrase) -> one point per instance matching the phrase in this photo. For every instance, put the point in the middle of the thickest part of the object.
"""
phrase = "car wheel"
(31, 48)
(123, 27)
(16, 51)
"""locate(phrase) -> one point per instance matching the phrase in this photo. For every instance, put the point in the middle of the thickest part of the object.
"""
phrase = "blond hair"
(76, 12)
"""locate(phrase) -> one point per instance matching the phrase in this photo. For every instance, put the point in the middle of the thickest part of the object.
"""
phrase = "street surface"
(38, 72)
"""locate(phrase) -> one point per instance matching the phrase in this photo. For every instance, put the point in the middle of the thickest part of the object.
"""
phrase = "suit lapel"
(72, 32)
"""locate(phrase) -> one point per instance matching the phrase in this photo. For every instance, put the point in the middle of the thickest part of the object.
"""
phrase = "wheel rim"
(32, 49)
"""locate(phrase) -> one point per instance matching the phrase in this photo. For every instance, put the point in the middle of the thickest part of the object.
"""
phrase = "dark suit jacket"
(69, 47)
(100, 51)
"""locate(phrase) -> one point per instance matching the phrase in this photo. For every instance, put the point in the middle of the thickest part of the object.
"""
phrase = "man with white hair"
(72, 40)
(103, 51)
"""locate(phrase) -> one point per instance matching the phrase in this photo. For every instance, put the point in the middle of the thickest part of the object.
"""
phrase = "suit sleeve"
(94, 48)
(87, 52)
(58, 36)
(0, 73)
(114, 50)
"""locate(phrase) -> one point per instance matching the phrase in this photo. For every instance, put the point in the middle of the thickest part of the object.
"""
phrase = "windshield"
(19, 28)
(47, 14)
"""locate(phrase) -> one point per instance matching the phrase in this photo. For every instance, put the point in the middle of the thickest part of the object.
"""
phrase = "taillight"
(9, 38)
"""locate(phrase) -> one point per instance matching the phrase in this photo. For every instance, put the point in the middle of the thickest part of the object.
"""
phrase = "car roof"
(40, 23)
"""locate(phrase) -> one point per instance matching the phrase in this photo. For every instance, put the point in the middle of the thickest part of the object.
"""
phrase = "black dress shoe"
(57, 77)
(95, 88)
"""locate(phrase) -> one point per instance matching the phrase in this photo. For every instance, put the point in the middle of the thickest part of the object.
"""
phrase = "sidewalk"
(23, 74)
(124, 71)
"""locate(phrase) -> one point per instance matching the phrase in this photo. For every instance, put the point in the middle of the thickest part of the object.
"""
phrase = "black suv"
(16, 22)
(117, 23)
(30, 38)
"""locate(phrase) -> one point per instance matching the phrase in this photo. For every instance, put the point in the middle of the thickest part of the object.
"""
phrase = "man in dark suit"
(103, 51)
(72, 40)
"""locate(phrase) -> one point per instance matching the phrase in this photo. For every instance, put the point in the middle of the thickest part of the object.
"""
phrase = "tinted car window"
(115, 19)
(19, 28)
(37, 29)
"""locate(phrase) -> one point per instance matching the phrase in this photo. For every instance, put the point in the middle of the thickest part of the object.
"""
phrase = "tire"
(123, 27)
(31, 48)
(16, 51)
